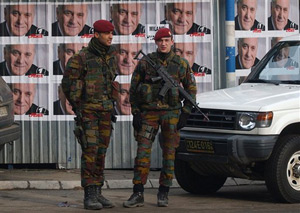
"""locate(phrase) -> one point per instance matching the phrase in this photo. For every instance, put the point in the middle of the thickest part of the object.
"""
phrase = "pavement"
(61, 179)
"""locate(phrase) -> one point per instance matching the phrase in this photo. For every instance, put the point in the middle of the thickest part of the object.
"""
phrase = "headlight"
(250, 120)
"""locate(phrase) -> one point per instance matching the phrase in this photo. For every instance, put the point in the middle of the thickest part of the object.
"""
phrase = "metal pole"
(230, 44)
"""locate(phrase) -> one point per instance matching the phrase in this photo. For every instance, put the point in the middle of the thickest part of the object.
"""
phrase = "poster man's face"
(181, 17)
(187, 51)
(19, 18)
(19, 58)
(72, 19)
(123, 103)
(23, 96)
(246, 11)
(66, 52)
(280, 13)
(64, 102)
(126, 18)
(247, 49)
(125, 55)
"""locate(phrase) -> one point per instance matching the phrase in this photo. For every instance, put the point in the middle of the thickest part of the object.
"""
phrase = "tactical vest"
(149, 91)
(98, 77)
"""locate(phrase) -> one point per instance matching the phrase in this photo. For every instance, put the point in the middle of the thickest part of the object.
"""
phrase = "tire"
(195, 183)
(283, 170)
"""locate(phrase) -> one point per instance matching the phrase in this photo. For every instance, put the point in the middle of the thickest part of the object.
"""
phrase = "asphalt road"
(254, 198)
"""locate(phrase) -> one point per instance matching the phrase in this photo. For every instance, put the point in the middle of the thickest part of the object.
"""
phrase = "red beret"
(103, 26)
(162, 32)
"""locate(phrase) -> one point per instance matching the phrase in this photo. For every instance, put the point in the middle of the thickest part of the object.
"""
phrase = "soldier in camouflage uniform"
(151, 111)
(87, 84)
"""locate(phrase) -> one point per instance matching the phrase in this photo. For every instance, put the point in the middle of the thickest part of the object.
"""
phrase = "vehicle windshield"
(279, 66)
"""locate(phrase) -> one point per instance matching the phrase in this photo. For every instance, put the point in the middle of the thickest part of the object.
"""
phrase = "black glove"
(182, 120)
(137, 121)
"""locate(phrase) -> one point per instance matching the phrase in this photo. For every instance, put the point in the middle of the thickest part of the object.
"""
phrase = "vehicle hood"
(252, 97)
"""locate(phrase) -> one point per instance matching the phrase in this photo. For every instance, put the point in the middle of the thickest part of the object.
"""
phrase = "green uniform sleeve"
(189, 84)
(72, 83)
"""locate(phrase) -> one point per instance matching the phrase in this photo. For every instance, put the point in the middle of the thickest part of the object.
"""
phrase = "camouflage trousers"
(97, 130)
(167, 120)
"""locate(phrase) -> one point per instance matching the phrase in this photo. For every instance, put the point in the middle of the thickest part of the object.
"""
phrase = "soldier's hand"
(182, 120)
(137, 121)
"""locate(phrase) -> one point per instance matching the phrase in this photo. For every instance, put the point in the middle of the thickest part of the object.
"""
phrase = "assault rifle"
(169, 82)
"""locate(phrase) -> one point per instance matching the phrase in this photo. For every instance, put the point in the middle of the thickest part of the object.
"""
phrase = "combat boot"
(105, 202)
(90, 199)
(135, 200)
(162, 199)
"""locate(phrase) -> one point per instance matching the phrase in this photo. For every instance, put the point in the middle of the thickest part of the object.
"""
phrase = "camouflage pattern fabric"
(97, 129)
(144, 92)
(151, 120)
(87, 80)
(87, 84)
(157, 111)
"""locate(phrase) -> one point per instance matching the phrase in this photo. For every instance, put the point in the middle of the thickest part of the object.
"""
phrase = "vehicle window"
(283, 65)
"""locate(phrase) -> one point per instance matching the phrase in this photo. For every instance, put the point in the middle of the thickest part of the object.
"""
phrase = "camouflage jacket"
(87, 80)
(144, 93)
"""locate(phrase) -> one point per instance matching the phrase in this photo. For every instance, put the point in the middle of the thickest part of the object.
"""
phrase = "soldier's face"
(19, 18)
(64, 54)
(126, 63)
(126, 18)
(72, 19)
(123, 103)
(105, 38)
(247, 48)
(164, 45)
(246, 11)
(23, 96)
(280, 13)
(19, 58)
(187, 51)
(181, 17)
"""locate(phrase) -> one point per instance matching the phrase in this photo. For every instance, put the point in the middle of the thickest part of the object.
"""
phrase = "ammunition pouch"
(173, 96)
(146, 131)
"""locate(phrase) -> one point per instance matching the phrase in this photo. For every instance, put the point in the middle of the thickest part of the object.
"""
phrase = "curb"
(109, 184)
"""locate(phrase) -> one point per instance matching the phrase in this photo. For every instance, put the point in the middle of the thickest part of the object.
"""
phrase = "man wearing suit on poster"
(64, 52)
(18, 60)
(19, 21)
(181, 17)
(189, 51)
(123, 106)
(126, 17)
(279, 19)
(246, 13)
(247, 51)
(71, 21)
(62, 105)
(125, 57)
(23, 97)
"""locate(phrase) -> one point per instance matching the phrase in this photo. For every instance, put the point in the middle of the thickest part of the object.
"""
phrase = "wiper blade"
(263, 81)
(291, 82)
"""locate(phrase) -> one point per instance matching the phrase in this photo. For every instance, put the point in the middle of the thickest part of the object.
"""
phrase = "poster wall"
(37, 39)
(259, 25)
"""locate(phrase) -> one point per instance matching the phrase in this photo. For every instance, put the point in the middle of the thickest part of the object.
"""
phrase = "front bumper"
(228, 148)
(9, 134)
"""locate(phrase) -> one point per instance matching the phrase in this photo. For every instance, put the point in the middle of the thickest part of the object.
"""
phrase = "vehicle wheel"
(195, 183)
(283, 170)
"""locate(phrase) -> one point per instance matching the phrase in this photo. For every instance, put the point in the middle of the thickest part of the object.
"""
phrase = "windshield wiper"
(262, 81)
(291, 82)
